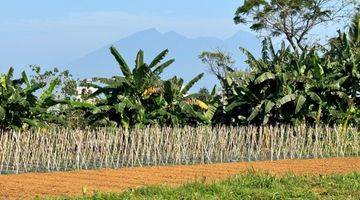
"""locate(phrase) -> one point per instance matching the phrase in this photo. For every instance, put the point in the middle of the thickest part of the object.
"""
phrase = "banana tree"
(184, 108)
(140, 97)
(21, 104)
(345, 57)
(286, 87)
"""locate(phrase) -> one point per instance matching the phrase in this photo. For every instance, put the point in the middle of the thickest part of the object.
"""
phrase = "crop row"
(64, 149)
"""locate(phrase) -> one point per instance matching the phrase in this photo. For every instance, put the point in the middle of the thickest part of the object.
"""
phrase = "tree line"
(296, 83)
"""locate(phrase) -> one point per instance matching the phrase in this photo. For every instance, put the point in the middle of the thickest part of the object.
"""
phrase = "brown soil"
(25, 186)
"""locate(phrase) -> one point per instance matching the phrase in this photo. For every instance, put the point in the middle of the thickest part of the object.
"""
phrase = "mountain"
(100, 62)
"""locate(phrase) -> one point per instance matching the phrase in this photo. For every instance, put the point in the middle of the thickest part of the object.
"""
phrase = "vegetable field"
(63, 149)
(294, 106)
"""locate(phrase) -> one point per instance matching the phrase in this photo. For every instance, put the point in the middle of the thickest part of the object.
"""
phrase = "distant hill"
(185, 51)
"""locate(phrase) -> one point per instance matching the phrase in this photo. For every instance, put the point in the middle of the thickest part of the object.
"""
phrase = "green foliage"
(66, 89)
(67, 86)
(290, 85)
(250, 185)
(140, 97)
(219, 63)
(292, 19)
(287, 87)
(20, 107)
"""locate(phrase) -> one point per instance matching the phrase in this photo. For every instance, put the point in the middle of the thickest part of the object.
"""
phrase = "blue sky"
(54, 32)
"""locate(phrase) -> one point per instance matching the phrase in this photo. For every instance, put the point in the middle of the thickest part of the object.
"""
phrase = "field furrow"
(72, 183)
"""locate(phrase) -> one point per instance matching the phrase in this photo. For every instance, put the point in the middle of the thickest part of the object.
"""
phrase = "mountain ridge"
(183, 49)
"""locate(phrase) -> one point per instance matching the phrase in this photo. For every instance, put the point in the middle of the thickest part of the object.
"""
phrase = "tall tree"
(293, 19)
(219, 63)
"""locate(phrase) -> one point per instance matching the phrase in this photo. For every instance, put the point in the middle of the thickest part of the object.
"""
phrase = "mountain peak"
(243, 35)
(150, 31)
(147, 33)
(184, 49)
(173, 34)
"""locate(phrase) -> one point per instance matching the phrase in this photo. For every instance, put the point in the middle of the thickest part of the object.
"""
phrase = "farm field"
(279, 120)
(73, 183)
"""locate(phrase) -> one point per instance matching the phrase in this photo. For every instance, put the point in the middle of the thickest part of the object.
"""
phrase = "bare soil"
(27, 186)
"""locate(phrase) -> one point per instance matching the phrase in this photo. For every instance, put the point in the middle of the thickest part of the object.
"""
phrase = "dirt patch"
(25, 186)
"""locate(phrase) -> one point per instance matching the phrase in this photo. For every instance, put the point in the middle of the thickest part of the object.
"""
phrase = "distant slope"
(184, 50)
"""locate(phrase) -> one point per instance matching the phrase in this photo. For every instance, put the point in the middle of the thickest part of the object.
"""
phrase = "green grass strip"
(248, 186)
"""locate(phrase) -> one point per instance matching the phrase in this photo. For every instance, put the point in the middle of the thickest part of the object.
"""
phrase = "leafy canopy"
(292, 19)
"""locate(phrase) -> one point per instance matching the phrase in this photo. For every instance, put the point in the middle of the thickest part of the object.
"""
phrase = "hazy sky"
(54, 32)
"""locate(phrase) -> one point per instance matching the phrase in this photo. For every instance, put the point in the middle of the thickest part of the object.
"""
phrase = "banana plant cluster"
(345, 52)
(282, 86)
(25, 103)
(140, 97)
(290, 87)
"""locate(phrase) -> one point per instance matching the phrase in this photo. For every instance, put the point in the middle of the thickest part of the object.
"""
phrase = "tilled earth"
(27, 186)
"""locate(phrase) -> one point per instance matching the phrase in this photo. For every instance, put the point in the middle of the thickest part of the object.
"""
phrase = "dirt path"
(26, 186)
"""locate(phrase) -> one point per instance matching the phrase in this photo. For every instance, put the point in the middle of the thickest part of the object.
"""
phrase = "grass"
(249, 186)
